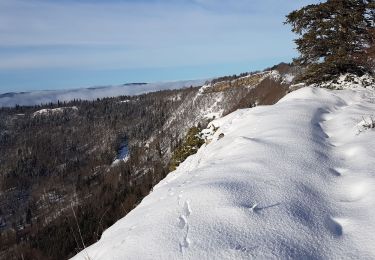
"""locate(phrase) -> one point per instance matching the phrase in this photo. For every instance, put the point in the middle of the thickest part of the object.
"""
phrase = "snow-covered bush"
(348, 81)
(366, 123)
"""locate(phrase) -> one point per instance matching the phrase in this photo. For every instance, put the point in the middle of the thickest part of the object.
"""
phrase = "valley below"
(65, 169)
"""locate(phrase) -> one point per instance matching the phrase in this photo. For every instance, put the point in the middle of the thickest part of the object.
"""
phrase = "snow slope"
(295, 180)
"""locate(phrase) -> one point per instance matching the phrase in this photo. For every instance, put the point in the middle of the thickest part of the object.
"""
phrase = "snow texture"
(290, 181)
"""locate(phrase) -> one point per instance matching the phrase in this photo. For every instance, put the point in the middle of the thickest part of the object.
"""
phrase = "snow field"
(290, 181)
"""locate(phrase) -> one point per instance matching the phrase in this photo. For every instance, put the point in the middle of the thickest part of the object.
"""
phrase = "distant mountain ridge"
(32, 98)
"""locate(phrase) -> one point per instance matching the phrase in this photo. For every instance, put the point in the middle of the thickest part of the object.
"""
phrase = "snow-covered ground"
(295, 180)
(51, 111)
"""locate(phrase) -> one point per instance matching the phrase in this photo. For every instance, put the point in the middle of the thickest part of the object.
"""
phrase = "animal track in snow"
(184, 224)
(185, 243)
(182, 221)
(187, 209)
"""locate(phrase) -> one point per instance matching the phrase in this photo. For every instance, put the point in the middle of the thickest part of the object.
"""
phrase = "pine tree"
(333, 35)
(28, 216)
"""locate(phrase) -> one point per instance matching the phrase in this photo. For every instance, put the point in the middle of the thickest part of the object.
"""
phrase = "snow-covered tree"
(333, 35)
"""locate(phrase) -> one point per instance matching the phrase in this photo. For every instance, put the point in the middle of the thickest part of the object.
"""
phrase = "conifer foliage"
(334, 37)
(192, 142)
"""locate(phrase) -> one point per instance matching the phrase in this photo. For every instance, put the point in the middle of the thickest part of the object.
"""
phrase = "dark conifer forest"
(56, 171)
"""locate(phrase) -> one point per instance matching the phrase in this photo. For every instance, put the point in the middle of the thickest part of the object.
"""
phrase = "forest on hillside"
(57, 171)
(70, 170)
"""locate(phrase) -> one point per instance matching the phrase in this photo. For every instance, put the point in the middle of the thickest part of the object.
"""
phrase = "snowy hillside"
(224, 96)
(292, 180)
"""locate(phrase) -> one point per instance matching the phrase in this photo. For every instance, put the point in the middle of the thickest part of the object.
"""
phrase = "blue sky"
(54, 44)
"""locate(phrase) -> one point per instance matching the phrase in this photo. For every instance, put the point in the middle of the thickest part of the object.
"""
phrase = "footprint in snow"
(187, 209)
(185, 243)
(183, 218)
(183, 224)
(182, 221)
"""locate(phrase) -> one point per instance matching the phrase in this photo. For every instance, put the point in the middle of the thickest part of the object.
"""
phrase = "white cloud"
(137, 34)
(45, 97)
